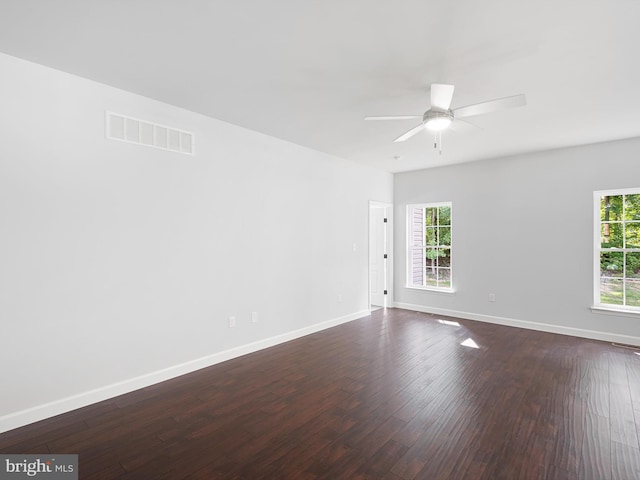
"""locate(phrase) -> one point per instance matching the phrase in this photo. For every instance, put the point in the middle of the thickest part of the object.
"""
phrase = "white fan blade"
(410, 133)
(490, 106)
(441, 96)
(462, 126)
(394, 117)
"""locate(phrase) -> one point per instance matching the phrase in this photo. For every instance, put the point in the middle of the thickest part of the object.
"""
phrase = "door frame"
(388, 270)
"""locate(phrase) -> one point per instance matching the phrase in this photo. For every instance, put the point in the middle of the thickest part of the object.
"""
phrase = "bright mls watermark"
(50, 467)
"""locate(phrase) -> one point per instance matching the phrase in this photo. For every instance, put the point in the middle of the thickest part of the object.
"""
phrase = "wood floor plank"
(625, 461)
(595, 460)
(623, 428)
(396, 395)
(633, 375)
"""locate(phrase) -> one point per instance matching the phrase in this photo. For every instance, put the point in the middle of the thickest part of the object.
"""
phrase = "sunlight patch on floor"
(469, 343)
(449, 322)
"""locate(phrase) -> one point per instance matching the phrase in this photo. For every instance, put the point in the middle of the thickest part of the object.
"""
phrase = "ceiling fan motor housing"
(432, 114)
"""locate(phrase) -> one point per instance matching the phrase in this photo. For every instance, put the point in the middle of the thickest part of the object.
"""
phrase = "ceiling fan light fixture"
(438, 124)
(437, 121)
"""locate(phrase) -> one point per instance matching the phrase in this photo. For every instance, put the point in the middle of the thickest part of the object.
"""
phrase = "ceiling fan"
(439, 117)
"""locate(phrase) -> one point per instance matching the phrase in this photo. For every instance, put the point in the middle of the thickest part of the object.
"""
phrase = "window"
(429, 246)
(617, 249)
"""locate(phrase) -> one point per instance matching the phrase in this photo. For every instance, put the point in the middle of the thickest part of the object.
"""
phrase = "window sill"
(431, 289)
(601, 309)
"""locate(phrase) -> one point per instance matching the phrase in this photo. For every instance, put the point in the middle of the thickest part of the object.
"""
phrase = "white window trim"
(431, 289)
(426, 288)
(611, 310)
(598, 307)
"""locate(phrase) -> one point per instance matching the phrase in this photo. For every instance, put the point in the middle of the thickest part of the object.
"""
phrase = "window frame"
(410, 247)
(597, 250)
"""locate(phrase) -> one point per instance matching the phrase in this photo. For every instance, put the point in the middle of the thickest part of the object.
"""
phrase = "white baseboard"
(47, 410)
(543, 327)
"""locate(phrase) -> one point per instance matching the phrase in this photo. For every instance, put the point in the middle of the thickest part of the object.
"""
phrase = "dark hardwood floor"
(391, 396)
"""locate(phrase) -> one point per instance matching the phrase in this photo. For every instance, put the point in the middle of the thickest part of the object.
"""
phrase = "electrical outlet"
(492, 297)
(232, 322)
(339, 297)
(254, 317)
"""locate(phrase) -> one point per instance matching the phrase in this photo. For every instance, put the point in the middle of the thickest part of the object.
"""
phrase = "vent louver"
(133, 130)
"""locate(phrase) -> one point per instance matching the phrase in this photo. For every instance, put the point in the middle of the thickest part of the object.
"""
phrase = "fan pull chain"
(437, 141)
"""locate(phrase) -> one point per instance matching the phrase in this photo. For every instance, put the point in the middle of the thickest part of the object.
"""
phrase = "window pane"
(444, 277)
(632, 267)
(444, 260)
(431, 216)
(417, 259)
(611, 291)
(632, 207)
(611, 235)
(432, 255)
(611, 264)
(431, 236)
(445, 236)
(632, 235)
(633, 292)
(417, 226)
(611, 208)
(430, 278)
(445, 216)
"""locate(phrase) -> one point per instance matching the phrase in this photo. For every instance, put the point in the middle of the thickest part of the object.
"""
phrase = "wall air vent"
(132, 130)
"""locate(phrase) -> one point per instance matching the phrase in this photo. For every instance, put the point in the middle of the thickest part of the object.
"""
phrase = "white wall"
(522, 229)
(119, 260)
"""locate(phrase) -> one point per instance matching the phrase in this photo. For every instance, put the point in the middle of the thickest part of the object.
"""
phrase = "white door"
(378, 256)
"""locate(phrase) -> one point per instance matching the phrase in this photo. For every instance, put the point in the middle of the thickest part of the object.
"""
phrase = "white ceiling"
(308, 71)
